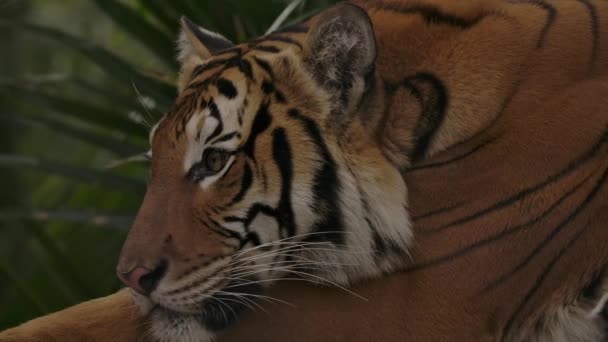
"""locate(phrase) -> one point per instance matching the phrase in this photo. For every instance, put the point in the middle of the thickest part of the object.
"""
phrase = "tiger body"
(492, 112)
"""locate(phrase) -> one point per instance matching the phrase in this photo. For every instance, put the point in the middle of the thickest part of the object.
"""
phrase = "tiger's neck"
(433, 97)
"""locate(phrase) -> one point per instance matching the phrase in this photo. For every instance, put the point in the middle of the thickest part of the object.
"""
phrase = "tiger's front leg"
(113, 318)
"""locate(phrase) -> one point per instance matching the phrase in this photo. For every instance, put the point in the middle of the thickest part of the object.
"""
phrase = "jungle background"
(81, 81)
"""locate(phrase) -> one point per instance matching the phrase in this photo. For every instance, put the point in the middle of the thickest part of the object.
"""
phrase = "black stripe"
(261, 122)
(199, 69)
(452, 160)
(501, 235)
(520, 195)
(266, 48)
(245, 68)
(594, 31)
(326, 187)
(215, 113)
(256, 209)
(226, 137)
(226, 63)
(281, 153)
(434, 104)
(433, 15)
(438, 211)
(282, 39)
(245, 184)
(541, 278)
(279, 97)
(250, 237)
(233, 219)
(264, 65)
(210, 223)
(226, 88)
(236, 49)
(267, 87)
(551, 16)
(549, 237)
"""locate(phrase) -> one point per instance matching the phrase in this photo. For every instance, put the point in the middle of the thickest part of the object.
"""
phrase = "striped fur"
(493, 113)
(291, 198)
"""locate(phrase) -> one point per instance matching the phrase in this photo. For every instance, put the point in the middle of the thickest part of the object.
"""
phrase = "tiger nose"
(142, 279)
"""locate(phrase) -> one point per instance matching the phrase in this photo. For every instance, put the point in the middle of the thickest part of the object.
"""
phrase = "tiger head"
(267, 167)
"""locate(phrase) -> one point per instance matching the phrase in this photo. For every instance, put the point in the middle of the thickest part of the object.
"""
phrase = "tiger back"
(492, 112)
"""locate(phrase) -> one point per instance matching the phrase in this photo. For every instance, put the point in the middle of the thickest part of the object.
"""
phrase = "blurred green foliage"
(80, 84)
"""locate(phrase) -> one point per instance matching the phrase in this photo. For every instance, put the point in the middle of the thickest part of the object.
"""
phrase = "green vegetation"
(80, 84)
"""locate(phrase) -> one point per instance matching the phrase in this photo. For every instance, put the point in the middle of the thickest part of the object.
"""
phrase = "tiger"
(444, 160)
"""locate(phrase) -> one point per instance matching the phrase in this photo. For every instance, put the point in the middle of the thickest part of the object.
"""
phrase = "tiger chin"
(267, 167)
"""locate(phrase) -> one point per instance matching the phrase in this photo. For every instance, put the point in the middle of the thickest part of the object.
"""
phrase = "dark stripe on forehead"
(326, 187)
(236, 50)
(199, 69)
(267, 87)
(266, 48)
(264, 65)
(433, 15)
(260, 124)
(245, 68)
(281, 152)
(226, 88)
(215, 113)
(282, 39)
(226, 137)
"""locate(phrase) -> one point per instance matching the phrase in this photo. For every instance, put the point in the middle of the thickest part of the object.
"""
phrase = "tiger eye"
(215, 160)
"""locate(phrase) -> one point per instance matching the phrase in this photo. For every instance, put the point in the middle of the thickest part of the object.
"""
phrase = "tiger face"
(266, 168)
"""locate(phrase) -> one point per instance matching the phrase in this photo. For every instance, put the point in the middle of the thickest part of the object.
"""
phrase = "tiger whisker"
(271, 243)
(262, 297)
(267, 280)
(279, 268)
(140, 98)
(319, 278)
(246, 262)
(285, 264)
(292, 263)
(244, 300)
(224, 304)
(303, 248)
(235, 300)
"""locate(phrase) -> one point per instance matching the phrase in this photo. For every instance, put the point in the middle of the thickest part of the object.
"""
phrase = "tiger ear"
(195, 45)
(341, 54)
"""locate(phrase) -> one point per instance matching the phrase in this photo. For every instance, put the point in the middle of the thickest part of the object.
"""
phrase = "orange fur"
(526, 121)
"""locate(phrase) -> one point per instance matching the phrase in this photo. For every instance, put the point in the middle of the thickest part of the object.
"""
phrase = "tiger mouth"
(219, 311)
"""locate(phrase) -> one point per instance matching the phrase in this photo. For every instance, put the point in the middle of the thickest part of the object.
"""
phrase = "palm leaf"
(149, 35)
(113, 65)
(73, 216)
(92, 137)
(78, 173)
(77, 109)
(164, 13)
